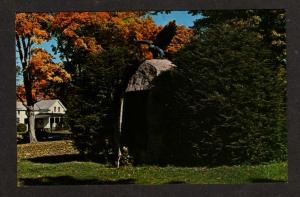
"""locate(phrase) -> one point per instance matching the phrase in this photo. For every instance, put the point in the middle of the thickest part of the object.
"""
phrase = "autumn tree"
(108, 36)
(84, 33)
(37, 66)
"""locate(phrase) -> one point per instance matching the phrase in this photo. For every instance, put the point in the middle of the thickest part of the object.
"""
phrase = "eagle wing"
(165, 36)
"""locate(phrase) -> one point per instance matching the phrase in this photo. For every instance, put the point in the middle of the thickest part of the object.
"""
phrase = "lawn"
(47, 163)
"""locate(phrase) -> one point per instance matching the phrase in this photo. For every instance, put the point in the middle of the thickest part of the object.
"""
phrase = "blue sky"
(181, 18)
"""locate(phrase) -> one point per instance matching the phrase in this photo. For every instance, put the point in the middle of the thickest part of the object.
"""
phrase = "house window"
(58, 108)
(18, 112)
(54, 109)
(18, 120)
(57, 120)
(51, 120)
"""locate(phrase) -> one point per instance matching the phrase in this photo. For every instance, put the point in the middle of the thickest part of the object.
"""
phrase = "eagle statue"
(161, 41)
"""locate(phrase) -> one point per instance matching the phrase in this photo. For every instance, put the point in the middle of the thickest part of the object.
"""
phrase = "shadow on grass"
(63, 158)
(267, 181)
(43, 136)
(176, 182)
(68, 180)
(54, 159)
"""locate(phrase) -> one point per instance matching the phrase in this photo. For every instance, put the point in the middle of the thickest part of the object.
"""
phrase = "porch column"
(50, 124)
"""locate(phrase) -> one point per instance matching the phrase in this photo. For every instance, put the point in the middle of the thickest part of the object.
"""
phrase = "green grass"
(57, 163)
(30, 173)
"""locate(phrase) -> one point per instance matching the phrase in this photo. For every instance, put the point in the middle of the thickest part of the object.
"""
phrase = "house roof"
(20, 106)
(45, 104)
(145, 74)
(41, 105)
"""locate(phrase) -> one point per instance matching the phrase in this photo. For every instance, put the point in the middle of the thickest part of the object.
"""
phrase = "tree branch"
(19, 49)
(28, 47)
(25, 50)
(29, 44)
(22, 101)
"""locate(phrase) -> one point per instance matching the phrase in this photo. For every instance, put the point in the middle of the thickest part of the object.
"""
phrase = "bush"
(224, 104)
(21, 128)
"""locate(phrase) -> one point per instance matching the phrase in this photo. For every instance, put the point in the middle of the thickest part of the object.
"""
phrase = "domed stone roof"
(147, 72)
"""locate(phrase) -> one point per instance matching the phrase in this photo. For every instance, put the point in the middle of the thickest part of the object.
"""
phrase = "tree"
(84, 35)
(96, 43)
(97, 92)
(89, 32)
(224, 103)
(270, 25)
(37, 66)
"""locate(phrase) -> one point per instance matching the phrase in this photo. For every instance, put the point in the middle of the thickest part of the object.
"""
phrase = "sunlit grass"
(94, 173)
(56, 163)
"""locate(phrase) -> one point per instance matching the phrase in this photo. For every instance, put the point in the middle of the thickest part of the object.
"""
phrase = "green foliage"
(95, 91)
(269, 24)
(21, 128)
(224, 104)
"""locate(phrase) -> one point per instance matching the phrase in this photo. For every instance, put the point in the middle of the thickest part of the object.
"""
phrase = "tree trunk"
(25, 55)
(31, 124)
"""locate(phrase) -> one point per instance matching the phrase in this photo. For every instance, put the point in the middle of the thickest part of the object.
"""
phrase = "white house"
(48, 113)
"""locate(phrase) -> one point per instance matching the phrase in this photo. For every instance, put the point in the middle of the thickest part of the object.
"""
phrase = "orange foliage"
(70, 22)
(20, 92)
(43, 68)
(121, 24)
(37, 92)
(182, 37)
(31, 25)
(32, 28)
